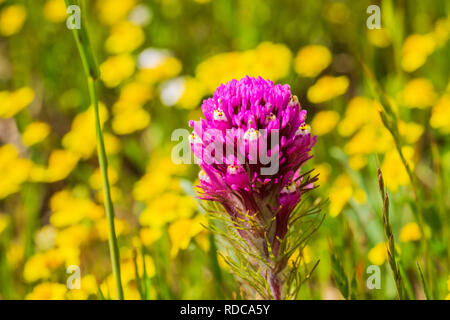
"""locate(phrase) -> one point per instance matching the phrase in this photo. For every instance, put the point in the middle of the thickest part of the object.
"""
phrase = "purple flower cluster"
(243, 116)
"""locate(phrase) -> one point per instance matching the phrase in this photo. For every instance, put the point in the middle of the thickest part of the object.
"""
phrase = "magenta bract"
(257, 121)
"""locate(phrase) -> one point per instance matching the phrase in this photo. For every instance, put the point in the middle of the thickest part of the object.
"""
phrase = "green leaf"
(425, 287)
(339, 276)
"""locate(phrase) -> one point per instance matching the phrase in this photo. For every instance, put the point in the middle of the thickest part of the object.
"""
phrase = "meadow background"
(158, 60)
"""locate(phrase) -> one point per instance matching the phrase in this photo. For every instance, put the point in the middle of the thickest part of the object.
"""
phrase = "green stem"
(92, 74)
(392, 259)
(113, 246)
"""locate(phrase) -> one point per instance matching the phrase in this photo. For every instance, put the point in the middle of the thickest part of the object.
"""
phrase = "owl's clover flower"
(251, 147)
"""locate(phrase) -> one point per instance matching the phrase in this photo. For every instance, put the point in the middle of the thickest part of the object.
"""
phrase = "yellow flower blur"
(327, 88)
(182, 231)
(114, 11)
(55, 11)
(394, 173)
(48, 291)
(35, 132)
(378, 254)
(125, 37)
(12, 19)
(324, 122)
(81, 137)
(440, 114)
(311, 60)
(13, 102)
(14, 170)
(117, 69)
(340, 194)
(410, 232)
(268, 60)
(419, 93)
(416, 50)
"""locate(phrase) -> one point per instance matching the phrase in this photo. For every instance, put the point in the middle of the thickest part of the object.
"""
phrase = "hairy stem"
(275, 286)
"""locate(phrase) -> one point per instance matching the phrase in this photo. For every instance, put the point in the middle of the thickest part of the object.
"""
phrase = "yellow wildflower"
(379, 37)
(441, 32)
(131, 120)
(167, 208)
(112, 143)
(327, 88)
(12, 19)
(194, 90)
(4, 222)
(410, 131)
(270, 61)
(324, 171)
(72, 236)
(356, 162)
(113, 11)
(47, 291)
(136, 93)
(440, 114)
(71, 255)
(14, 170)
(360, 196)
(127, 267)
(81, 139)
(157, 65)
(419, 93)
(312, 60)
(15, 254)
(60, 164)
(267, 60)
(45, 238)
(378, 254)
(394, 172)
(88, 286)
(35, 132)
(363, 141)
(150, 235)
(360, 111)
(158, 179)
(448, 284)
(182, 231)
(55, 11)
(117, 69)
(410, 232)
(108, 286)
(13, 102)
(340, 194)
(41, 265)
(68, 209)
(221, 68)
(125, 37)
(202, 240)
(416, 50)
(324, 122)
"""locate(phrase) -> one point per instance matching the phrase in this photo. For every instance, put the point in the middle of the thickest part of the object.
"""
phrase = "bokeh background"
(159, 59)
